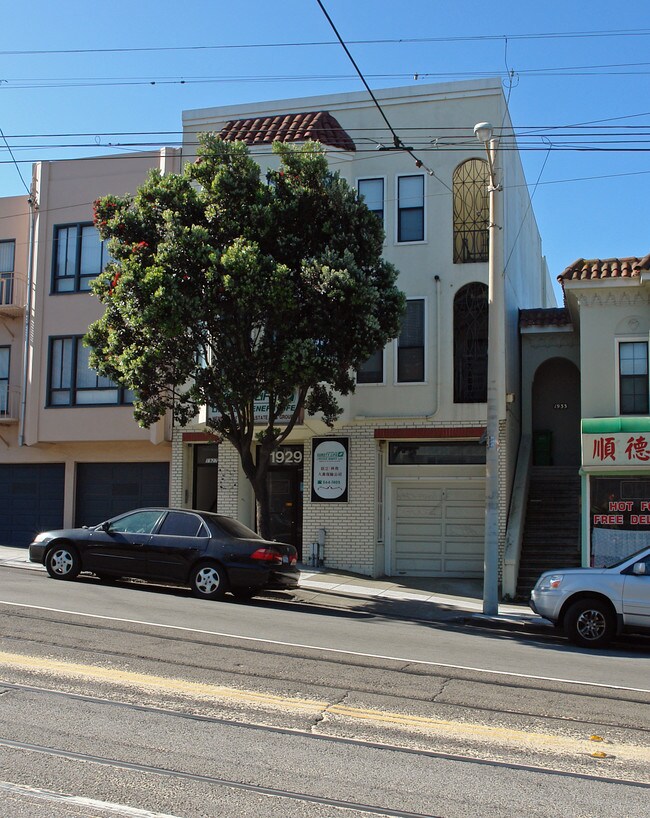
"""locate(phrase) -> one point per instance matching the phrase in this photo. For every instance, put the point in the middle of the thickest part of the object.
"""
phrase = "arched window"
(471, 344)
(471, 211)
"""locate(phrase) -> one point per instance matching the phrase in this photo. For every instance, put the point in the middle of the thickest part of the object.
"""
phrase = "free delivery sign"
(329, 470)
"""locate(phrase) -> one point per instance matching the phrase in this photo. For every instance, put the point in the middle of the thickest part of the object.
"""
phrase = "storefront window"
(620, 518)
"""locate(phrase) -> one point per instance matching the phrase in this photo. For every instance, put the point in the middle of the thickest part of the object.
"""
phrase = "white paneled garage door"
(437, 529)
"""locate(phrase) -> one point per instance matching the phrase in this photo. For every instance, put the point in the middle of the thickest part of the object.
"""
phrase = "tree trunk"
(263, 506)
(256, 474)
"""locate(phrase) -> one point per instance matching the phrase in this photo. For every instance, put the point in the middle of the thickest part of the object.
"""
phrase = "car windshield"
(234, 527)
(629, 557)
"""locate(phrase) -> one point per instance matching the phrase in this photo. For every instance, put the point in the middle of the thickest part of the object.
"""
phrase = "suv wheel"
(590, 623)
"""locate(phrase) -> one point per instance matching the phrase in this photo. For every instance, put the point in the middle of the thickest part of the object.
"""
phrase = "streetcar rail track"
(215, 780)
(182, 774)
(303, 733)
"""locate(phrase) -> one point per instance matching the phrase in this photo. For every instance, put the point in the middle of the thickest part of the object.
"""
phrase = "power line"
(552, 35)
(38, 83)
(397, 142)
(13, 159)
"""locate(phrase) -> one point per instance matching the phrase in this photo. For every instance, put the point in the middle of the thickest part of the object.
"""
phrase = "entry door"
(285, 482)
(206, 473)
(437, 528)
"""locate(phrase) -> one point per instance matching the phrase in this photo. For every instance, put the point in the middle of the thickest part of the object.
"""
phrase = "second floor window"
(410, 344)
(72, 382)
(633, 377)
(410, 208)
(372, 370)
(372, 191)
(471, 343)
(79, 256)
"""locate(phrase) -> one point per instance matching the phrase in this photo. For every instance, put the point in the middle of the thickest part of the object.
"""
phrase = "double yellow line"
(533, 742)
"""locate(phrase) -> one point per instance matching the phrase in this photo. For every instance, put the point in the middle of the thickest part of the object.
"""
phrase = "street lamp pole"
(495, 382)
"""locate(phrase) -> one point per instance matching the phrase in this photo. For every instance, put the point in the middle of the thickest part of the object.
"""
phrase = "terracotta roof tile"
(318, 126)
(598, 269)
(551, 317)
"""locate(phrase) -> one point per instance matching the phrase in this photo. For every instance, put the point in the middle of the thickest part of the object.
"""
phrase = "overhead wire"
(607, 33)
(397, 142)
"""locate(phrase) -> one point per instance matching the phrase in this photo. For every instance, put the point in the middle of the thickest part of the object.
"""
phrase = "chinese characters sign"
(619, 449)
(330, 470)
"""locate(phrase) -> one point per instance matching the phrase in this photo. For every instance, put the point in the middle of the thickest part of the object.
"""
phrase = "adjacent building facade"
(397, 487)
(609, 304)
(70, 451)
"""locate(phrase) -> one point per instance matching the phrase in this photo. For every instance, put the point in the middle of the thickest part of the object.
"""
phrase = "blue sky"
(591, 69)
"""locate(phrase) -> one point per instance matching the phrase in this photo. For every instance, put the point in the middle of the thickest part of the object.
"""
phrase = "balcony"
(13, 294)
(9, 404)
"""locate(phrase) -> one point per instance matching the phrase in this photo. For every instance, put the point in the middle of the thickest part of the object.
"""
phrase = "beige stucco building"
(609, 304)
(411, 495)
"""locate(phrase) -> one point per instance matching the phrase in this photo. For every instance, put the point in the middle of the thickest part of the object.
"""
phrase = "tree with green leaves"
(225, 286)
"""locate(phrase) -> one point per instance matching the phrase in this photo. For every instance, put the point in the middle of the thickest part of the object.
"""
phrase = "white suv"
(595, 604)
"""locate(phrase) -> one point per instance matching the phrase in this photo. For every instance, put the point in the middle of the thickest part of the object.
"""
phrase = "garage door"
(107, 489)
(438, 528)
(31, 500)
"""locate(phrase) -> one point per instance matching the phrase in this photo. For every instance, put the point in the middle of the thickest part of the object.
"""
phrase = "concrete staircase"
(552, 530)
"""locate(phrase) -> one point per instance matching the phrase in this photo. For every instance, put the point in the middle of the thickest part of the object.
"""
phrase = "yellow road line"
(534, 741)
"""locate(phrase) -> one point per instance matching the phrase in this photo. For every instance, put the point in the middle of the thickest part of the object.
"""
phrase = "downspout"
(33, 206)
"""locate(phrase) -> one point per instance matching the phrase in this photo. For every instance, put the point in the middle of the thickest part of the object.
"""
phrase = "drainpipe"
(33, 206)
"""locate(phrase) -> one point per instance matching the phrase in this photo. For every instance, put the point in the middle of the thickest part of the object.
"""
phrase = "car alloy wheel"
(209, 581)
(62, 562)
(590, 623)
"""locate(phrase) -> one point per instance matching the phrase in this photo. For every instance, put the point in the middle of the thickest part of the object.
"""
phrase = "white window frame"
(423, 240)
(381, 179)
(641, 339)
(424, 381)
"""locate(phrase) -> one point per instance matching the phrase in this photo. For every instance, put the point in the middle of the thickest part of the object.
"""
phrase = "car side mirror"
(106, 527)
(639, 569)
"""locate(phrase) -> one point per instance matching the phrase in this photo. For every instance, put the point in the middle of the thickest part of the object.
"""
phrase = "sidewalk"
(432, 599)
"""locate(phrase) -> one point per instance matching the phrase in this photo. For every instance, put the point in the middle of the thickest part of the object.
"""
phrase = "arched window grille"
(471, 344)
(471, 211)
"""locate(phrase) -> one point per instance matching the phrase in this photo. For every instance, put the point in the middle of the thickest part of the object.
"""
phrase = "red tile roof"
(598, 269)
(319, 126)
(551, 317)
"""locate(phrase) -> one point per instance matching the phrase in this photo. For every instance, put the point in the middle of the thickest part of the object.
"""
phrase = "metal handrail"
(9, 402)
(13, 290)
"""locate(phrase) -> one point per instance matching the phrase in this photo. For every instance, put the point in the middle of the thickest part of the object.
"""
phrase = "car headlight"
(43, 537)
(550, 583)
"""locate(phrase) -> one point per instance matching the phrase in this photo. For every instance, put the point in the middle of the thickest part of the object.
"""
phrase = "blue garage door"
(31, 500)
(107, 489)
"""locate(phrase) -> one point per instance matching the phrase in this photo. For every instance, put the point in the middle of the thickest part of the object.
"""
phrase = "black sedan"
(210, 553)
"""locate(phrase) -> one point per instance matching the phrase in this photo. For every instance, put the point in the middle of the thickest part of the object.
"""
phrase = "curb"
(510, 623)
(455, 614)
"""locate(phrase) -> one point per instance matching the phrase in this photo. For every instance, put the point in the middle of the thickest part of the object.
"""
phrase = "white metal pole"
(495, 383)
